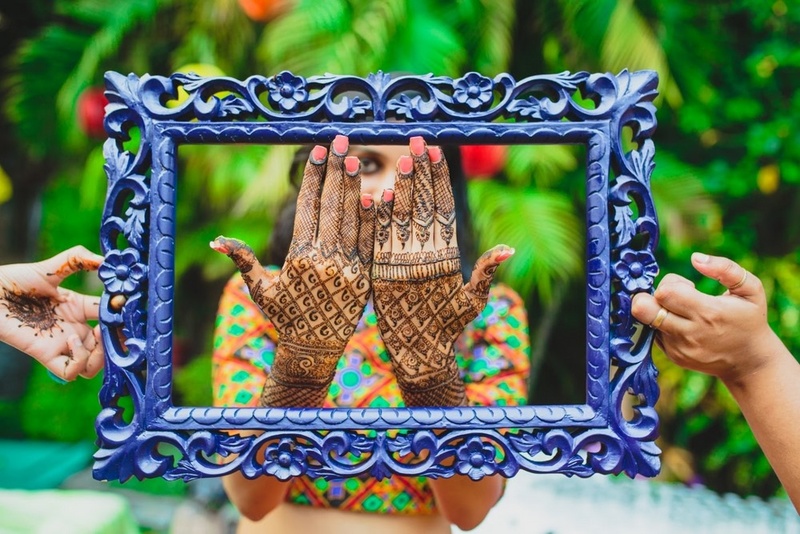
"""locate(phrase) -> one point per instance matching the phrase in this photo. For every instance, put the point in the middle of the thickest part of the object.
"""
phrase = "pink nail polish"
(406, 164)
(351, 164)
(503, 256)
(417, 145)
(318, 154)
(340, 143)
(366, 200)
(435, 154)
(388, 195)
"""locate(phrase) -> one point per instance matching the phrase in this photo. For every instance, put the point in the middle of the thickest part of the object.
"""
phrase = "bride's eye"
(370, 165)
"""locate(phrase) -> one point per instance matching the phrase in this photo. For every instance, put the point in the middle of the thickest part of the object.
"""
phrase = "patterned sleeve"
(495, 356)
(244, 348)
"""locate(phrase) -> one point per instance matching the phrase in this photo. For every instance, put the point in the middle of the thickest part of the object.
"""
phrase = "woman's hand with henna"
(48, 322)
(319, 295)
(421, 301)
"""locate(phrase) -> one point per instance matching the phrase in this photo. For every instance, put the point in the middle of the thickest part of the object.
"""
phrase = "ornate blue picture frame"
(142, 433)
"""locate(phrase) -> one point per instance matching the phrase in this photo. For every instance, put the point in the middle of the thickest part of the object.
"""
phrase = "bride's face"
(378, 166)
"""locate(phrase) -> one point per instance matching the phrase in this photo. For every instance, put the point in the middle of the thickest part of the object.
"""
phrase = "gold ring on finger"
(659, 320)
(740, 283)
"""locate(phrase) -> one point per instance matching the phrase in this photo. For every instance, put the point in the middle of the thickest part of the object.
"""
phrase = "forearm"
(257, 497)
(769, 398)
(466, 502)
(285, 387)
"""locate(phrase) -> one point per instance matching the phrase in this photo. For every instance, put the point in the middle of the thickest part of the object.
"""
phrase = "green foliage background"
(726, 181)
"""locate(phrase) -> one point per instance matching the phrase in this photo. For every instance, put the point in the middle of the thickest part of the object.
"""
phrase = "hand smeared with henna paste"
(319, 295)
(421, 301)
(48, 322)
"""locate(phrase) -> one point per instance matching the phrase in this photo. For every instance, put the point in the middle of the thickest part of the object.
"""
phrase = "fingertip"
(352, 165)
(318, 154)
(435, 154)
(640, 303)
(340, 145)
(417, 145)
(504, 254)
(366, 200)
(405, 164)
(218, 246)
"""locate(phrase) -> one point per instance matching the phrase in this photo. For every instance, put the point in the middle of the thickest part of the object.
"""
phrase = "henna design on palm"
(317, 298)
(421, 301)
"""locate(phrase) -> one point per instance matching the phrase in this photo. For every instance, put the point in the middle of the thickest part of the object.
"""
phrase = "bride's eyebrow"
(367, 151)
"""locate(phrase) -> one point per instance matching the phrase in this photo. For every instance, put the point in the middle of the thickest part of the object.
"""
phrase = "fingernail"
(417, 145)
(406, 164)
(388, 195)
(78, 342)
(435, 154)
(699, 257)
(318, 154)
(351, 165)
(340, 143)
(366, 200)
(503, 256)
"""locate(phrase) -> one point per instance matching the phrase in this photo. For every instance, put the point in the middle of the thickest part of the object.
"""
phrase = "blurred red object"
(482, 161)
(91, 111)
(263, 10)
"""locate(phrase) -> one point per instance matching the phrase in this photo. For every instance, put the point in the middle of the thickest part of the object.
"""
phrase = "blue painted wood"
(138, 240)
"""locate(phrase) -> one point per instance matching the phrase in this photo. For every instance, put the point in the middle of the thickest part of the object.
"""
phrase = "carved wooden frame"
(138, 241)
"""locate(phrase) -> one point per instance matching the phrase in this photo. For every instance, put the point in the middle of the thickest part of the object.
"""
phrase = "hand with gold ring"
(728, 336)
(725, 335)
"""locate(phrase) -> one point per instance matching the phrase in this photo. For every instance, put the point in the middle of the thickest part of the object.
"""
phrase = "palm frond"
(219, 33)
(687, 212)
(360, 37)
(306, 40)
(38, 68)
(117, 22)
(540, 165)
(630, 43)
(542, 226)
(494, 43)
(612, 35)
(269, 185)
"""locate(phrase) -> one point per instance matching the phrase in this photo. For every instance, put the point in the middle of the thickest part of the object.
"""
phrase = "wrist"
(301, 375)
(768, 358)
(429, 379)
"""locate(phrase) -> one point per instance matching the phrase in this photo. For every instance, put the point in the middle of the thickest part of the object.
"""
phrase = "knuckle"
(639, 305)
(729, 268)
(670, 278)
(664, 292)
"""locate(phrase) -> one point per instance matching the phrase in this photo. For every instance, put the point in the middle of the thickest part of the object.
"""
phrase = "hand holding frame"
(319, 295)
(49, 322)
(421, 301)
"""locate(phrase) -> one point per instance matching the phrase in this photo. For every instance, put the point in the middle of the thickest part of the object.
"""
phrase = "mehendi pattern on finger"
(38, 313)
(383, 224)
(401, 211)
(445, 203)
(480, 290)
(75, 264)
(423, 207)
(305, 221)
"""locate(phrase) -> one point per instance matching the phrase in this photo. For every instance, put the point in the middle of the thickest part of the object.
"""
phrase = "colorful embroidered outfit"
(492, 355)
